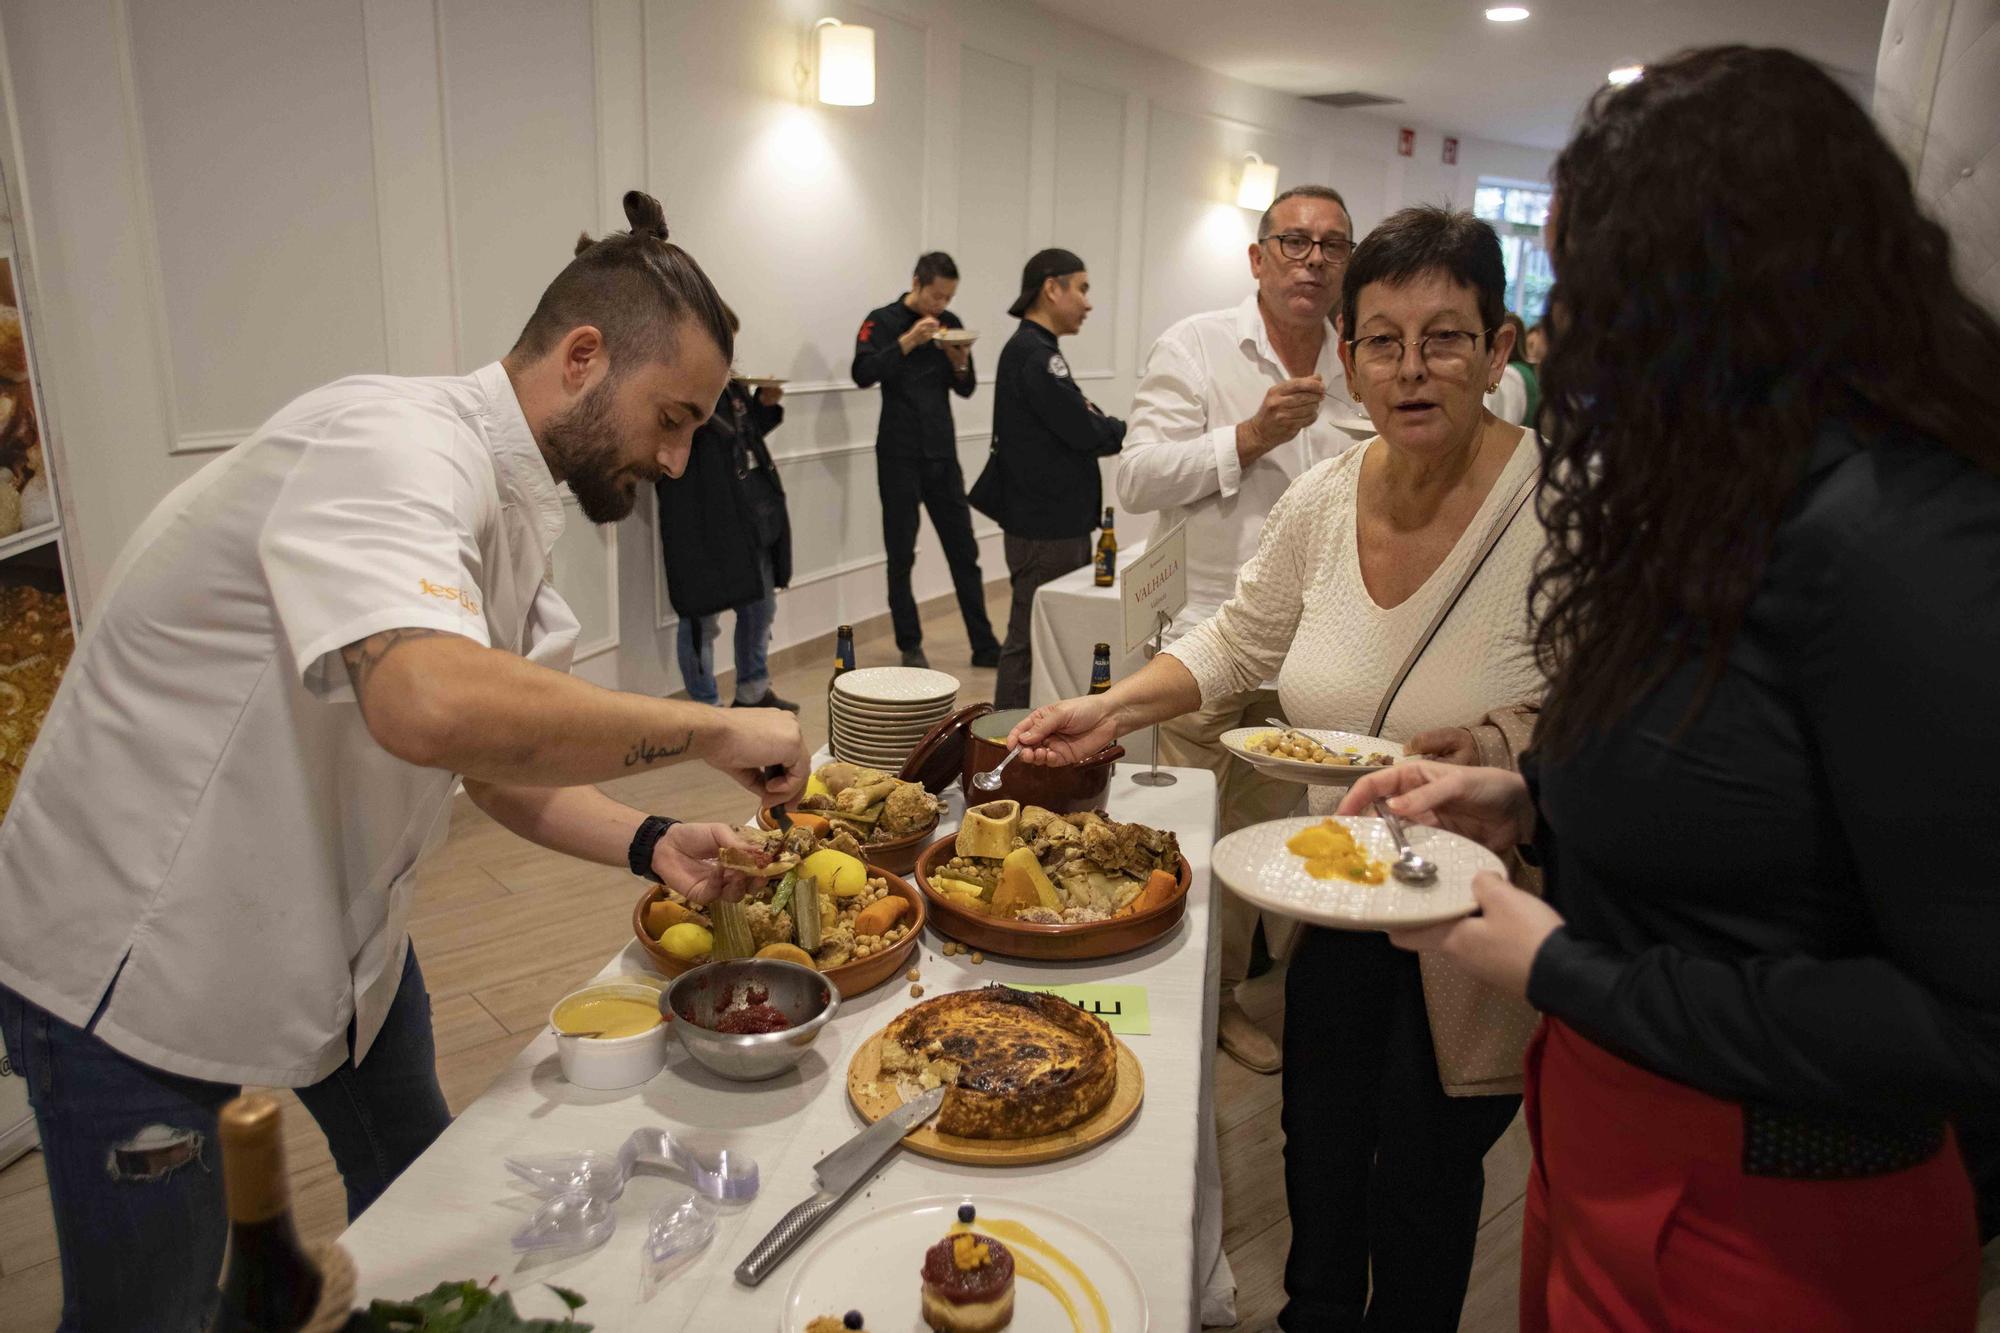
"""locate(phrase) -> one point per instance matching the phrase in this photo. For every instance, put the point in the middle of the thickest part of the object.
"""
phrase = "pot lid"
(939, 759)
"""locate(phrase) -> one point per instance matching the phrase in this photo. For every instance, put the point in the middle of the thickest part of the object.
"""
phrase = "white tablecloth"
(450, 1216)
(1072, 616)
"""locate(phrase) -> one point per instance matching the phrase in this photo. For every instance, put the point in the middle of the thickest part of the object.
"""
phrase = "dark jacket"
(719, 517)
(916, 389)
(1047, 438)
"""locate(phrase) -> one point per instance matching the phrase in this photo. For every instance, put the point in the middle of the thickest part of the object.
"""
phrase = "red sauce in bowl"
(751, 1019)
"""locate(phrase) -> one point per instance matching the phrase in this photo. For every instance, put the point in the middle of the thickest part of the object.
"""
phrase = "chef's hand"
(1447, 745)
(1065, 733)
(1499, 945)
(1488, 805)
(1287, 409)
(769, 394)
(920, 333)
(755, 740)
(685, 860)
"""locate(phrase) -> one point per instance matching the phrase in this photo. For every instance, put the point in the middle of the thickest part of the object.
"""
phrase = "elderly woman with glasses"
(1398, 1075)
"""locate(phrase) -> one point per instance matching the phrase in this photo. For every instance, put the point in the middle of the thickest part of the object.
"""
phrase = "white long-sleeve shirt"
(1206, 374)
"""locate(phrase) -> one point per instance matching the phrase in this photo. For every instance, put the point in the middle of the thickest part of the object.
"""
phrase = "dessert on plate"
(1018, 1064)
(968, 1284)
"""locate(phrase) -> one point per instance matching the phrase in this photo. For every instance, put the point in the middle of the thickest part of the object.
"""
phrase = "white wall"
(230, 201)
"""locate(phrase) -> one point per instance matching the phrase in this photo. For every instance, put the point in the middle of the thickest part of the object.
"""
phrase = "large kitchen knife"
(837, 1173)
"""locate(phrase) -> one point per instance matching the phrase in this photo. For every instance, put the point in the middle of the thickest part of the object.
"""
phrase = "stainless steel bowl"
(799, 993)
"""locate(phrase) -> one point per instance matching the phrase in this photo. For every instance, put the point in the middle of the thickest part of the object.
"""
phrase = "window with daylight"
(1519, 212)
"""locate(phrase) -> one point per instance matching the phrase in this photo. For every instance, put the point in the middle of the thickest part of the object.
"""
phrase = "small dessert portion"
(968, 1284)
(1018, 1064)
(1331, 852)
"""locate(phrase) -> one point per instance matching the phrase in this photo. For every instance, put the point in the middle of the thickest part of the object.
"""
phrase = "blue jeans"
(695, 646)
(135, 1173)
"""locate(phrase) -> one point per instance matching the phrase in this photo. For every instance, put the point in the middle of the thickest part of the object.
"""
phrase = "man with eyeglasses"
(1232, 407)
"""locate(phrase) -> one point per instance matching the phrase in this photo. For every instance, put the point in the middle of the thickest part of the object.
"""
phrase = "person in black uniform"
(916, 449)
(1042, 485)
(727, 542)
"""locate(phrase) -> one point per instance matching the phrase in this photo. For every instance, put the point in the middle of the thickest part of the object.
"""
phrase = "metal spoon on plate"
(1411, 868)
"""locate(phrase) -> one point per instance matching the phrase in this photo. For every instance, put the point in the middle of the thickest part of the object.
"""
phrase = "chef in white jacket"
(207, 868)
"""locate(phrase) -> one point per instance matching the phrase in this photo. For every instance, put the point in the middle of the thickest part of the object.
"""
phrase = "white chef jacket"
(205, 820)
(1203, 376)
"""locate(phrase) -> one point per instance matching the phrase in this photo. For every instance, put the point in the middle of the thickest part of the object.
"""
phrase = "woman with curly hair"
(1762, 788)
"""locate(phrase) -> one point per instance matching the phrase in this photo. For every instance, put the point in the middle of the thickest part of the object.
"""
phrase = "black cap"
(1045, 265)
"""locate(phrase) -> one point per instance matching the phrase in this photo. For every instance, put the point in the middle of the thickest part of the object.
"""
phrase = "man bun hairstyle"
(1423, 240)
(635, 287)
(933, 265)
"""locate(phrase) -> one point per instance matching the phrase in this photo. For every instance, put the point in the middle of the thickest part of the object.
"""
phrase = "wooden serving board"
(875, 1099)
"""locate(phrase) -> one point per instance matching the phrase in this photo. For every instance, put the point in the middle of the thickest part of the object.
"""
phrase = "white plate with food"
(1316, 757)
(1065, 1276)
(955, 338)
(1334, 871)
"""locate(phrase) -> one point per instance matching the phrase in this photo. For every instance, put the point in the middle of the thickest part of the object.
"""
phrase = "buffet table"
(450, 1216)
(1072, 615)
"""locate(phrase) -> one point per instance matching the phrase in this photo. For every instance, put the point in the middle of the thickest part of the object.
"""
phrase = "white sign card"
(1153, 585)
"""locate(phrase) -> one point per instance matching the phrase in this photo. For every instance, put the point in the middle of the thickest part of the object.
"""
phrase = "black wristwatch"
(640, 855)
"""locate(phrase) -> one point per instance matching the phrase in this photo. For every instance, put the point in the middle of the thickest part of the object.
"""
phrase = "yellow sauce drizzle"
(611, 1015)
(1018, 1236)
(1330, 852)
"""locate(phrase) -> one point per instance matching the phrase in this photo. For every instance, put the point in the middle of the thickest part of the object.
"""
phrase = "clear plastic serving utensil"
(990, 779)
(1410, 867)
(580, 1188)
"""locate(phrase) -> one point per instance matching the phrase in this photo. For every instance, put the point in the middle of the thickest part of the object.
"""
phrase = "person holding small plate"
(1763, 787)
(1398, 1076)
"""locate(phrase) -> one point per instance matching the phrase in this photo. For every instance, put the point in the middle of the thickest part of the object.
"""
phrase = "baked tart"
(1017, 1064)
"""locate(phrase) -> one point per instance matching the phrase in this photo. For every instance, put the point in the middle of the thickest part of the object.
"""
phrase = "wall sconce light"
(1259, 184)
(844, 54)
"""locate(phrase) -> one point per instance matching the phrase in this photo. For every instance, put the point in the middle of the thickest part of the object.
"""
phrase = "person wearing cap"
(916, 449)
(1041, 483)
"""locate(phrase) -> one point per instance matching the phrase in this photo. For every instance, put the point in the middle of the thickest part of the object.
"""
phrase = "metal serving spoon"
(1410, 868)
(990, 779)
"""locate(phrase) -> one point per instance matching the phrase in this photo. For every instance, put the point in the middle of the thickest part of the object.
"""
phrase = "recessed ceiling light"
(1626, 73)
(1506, 14)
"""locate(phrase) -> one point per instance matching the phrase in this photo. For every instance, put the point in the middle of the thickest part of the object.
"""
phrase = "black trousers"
(937, 485)
(1383, 1173)
(1031, 562)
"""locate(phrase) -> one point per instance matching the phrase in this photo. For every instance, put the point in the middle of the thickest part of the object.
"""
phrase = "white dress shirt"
(1203, 376)
(206, 820)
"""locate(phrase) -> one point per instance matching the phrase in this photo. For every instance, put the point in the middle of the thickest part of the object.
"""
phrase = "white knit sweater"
(1301, 612)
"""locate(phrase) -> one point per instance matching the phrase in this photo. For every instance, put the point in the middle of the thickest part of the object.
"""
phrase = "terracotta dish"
(974, 740)
(899, 854)
(1028, 939)
(850, 979)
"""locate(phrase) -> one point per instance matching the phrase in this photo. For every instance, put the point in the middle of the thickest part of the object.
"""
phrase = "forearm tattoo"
(645, 752)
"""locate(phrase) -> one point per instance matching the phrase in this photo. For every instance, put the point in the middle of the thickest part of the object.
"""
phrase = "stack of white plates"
(880, 713)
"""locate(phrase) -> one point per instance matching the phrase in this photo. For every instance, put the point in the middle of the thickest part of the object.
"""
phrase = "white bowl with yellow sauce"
(630, 1045)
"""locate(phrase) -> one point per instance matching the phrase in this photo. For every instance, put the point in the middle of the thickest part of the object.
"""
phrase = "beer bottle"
(1100, 669)
(843, 652)
(1107, 552)
(268, 1284)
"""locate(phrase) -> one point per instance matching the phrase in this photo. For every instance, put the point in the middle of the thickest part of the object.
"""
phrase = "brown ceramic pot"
(974, 740)
(1028, 939)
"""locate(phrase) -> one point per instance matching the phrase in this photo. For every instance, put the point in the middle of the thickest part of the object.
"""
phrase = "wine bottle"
(1100, 669)
(268, 1283)
(1107, 552)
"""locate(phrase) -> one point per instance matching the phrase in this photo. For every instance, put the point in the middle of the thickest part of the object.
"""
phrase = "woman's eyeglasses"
(1446, 349)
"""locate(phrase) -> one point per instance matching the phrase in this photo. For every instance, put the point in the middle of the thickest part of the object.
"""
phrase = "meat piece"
(843, 840)
(856, 799)
(908, 808)
(837, 778)
(766, 926)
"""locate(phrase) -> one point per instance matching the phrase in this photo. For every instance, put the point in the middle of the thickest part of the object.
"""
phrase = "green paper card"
(1123, 1008)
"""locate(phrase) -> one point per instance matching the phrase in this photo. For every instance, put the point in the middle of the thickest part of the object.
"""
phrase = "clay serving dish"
(1030, 939)
(974, 740)
(850, 979)
(898, 855)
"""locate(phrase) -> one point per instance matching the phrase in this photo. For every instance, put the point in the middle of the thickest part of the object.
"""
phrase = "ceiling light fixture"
(1625, 74)
(846, 62)
(1259, 185)
(1506, 14)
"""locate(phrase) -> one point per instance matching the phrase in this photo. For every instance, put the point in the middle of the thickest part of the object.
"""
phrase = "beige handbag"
(1478, 1033)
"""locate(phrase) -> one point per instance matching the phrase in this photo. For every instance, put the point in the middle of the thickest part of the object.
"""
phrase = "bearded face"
(586, 447)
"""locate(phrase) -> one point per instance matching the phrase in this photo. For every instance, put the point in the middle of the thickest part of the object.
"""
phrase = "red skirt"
(1639, 1216)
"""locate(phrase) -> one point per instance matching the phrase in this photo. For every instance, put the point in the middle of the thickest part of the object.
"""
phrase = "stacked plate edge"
(877, 715)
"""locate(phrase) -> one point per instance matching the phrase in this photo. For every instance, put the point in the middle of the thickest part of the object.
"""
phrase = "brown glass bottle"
(1100, 669)
(843, 652)
(1107, 552)
(268, 1283)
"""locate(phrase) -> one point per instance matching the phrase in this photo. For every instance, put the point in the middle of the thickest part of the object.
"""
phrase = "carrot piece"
(1161, 887)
